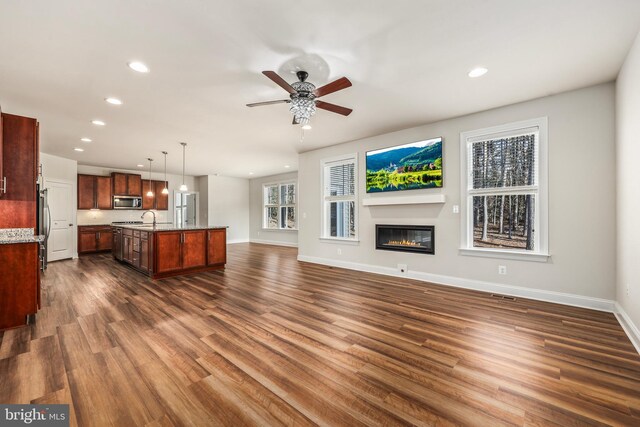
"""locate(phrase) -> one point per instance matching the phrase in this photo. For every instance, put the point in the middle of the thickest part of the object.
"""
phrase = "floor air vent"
(504, 297)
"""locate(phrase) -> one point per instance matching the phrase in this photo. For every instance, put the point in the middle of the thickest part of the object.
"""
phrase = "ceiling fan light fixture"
(302, 108)
(306, 126)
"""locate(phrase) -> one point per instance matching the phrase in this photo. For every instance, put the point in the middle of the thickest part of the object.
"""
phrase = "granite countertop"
(10, 236)
(169, 227)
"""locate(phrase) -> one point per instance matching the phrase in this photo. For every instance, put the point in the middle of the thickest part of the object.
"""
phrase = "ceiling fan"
(303, 96)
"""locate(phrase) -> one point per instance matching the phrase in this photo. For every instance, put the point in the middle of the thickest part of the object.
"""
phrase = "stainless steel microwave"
(127, 202)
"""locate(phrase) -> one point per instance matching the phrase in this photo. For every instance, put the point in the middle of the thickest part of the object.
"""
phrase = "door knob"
(70, 225)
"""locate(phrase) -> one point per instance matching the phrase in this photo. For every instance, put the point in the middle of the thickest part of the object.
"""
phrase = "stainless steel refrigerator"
(43, 217)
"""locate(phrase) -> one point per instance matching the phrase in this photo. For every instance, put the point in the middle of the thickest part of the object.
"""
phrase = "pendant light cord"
(165, 169)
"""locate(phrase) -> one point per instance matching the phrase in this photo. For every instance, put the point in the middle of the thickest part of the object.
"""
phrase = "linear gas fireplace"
(408, 238)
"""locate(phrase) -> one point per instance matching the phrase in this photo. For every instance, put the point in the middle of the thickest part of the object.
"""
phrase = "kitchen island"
(166, 250)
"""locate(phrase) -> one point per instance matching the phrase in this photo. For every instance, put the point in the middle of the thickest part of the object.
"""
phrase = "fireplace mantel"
(403, 200)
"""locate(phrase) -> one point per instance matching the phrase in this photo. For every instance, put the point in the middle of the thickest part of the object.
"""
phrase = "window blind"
(341, 179)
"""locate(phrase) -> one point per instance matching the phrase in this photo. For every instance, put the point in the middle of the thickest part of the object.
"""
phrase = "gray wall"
(228, 204)
(581, 199)
(628, 184)
(257, 233)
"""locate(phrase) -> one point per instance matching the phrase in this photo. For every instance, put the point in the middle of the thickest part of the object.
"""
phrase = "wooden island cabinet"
(166, 250)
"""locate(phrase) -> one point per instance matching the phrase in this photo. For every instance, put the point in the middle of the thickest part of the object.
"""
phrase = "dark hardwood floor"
(271, 341)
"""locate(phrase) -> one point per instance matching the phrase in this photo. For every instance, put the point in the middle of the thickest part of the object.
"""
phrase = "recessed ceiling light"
(86, 139)
(98, 122)
(79, 149)
(140, 166)
(306, 127)
(250, 173)
(287, 166)
(477, 72)
(114, 101)
(138, 66)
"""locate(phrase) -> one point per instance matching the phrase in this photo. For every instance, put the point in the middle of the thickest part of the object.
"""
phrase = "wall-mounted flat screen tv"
(410, 166)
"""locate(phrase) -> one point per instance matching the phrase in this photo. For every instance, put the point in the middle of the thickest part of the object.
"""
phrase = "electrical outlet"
(502, 269)
(402, 268)
(304, 215)
(258, 234)
(456, 209)
(627, 289)
(339, 251)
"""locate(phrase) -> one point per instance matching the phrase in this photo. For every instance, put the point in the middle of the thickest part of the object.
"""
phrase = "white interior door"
(60, 200)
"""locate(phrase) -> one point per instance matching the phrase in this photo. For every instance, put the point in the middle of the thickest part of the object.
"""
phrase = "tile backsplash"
(108, 216)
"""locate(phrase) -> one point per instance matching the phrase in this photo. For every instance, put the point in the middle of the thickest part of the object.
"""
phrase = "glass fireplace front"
(408, 238)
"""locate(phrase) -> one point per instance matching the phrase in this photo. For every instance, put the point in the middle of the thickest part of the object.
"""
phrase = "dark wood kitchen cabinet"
(127, 246)
(173, 252)
(168, 246)
(158, 201)
(20, 284)
(19, 158)
(19, 262)
(94, 238)
(180, 250)
(145, 251)
(94, 192)
(116, 246)
(194, 249)
(1, 156)
(217, 246)
(133, 247)
(126, 184)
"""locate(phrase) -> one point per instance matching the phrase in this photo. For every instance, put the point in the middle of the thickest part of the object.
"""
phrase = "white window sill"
(340, 240)
(279, 229)
(505, 254)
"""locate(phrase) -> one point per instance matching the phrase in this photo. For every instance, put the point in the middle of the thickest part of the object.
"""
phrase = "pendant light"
(165, 190)
(150, 192)
(183, 187)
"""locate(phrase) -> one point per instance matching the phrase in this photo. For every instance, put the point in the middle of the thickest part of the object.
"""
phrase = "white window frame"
(324, 224)
(541, 218)
(265, 205)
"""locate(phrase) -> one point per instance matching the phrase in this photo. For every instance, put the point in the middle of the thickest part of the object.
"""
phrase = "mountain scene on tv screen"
(405, 167)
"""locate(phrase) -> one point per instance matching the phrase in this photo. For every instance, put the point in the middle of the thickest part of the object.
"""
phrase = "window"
(504, 187)
(339, 198)
(280, 206)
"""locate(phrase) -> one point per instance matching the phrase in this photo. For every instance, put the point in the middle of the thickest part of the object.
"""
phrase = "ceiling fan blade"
(295, 122)
(341, 83)
(257, 104)
(333, 108)
(279, 81)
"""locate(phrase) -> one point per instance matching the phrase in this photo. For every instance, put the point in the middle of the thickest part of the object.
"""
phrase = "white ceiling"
(408, 61)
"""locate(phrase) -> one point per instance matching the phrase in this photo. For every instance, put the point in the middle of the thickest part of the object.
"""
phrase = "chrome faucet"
(154, 217)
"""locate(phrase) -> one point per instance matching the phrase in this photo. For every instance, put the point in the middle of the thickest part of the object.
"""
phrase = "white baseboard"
(629, 327)
(518, 291)
(230, 242)
(274, 242)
